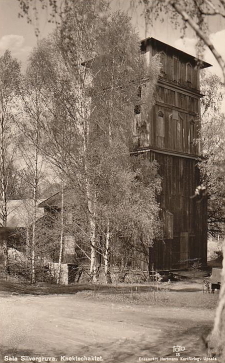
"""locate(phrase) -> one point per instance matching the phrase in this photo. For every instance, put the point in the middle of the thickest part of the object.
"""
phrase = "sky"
(19, 37)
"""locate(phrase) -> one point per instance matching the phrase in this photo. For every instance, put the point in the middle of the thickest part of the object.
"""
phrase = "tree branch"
(199, 33)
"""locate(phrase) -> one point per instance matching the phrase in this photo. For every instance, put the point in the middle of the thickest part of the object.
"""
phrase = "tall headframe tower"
(169, 137)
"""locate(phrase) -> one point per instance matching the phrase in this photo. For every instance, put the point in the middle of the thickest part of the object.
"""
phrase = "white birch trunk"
(92, 231)
(91, 204)
(91, 199)
(33, 240)
(107, 256)
(83, 117)
(4, 210)
(107, 240)
(27, 245)
(61, 235)
(35, 190)
(216, 340)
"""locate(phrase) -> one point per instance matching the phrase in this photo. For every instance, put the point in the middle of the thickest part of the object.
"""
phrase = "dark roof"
(19, 213)
(151, 40)
(56, 199)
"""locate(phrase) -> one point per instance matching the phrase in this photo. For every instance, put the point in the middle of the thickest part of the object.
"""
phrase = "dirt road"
(68, 325)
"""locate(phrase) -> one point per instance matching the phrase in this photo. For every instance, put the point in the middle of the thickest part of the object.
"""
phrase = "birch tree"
(117, 71)
(9, 82)
(212, 169)
(91, 69)
(28, 118)
(120, 72)
(212, 139)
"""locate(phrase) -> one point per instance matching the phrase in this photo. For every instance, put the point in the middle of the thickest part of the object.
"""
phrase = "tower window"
(163, 62)
(160, 114)
(176, 69)
(189, 73)
(192, 131)
(160, 129)
(137, 107)
(175, 115)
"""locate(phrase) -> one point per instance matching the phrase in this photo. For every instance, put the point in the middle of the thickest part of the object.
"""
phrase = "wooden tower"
(169, 137)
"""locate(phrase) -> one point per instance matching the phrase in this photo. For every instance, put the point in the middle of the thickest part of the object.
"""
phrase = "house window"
(69, 218)
(160, 129)
(69, 245)
(189, 73)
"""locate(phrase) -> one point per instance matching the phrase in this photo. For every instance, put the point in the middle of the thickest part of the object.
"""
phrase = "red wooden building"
(169, 137)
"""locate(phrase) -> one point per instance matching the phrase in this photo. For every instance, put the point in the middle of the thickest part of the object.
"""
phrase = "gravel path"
(68, 325)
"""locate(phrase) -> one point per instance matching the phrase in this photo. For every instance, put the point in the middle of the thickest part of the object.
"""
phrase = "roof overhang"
(151, 41)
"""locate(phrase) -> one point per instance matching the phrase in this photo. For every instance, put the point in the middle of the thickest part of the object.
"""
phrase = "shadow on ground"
(129, 351)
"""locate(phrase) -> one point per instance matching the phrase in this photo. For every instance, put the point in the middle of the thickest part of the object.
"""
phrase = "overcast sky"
(19, 37)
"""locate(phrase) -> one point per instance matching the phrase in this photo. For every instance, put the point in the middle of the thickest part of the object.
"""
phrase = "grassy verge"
(175, 295)
(170, 298)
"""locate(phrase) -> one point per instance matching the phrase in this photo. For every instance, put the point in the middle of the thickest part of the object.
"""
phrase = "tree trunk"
(27, 245)
(5, 257)
(92, 226)
(107, 256)
(216, 340)
(4, 224)
(4, 210)
(107, 241)
(61, 235)
(35, 201)
(33, 240)
(91, 199)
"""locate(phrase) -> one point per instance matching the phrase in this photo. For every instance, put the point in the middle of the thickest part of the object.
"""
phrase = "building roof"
(20, 213)
(151, 41)
(56, 199)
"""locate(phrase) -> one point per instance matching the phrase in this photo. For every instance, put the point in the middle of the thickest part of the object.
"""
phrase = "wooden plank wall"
(172, 128)
(180, 177)
(169, 127)
(179, 69)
